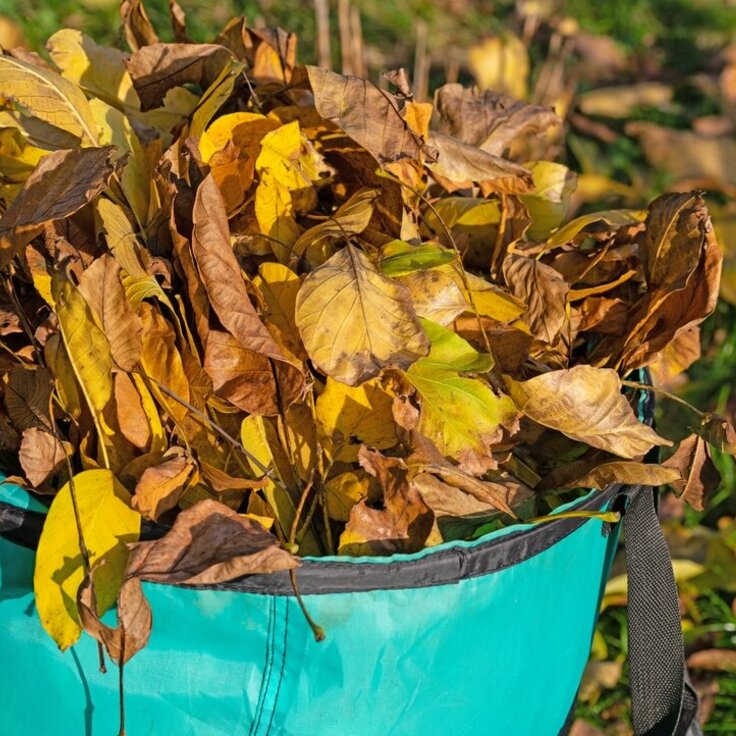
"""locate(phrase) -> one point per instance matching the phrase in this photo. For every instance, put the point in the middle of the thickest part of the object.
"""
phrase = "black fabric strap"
(663, 703)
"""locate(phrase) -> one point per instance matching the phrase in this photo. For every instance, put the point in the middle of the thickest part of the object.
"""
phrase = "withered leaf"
(599, 474)
(586, 404)
(62, 183)
(209, 543)
(134, 618)
(459, 165)
(27, 394)
(103, 291)
(543, 290)
(402, 524)
(161, 485)
(42, 454)
(489, 120)
(372, 117)
(138, 29)
(670, 242)
(699, 476)
(719, 432)
(159, 67)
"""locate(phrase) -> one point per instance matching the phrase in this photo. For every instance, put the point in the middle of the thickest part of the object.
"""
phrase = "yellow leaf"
(586, 404)
(99, 70)
(354, 321)
(279, 286)
(86, 344)
(350, 416)
(113, 128)
(548, 203)
(215, 96)
(501, 63)
(243, 130)
(161, 360)
(108, 524)
(343, 492)
(48, 97)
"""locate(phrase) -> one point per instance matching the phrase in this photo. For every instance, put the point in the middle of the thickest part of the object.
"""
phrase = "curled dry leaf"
(134, 618)
(699, 477)
(161, 485)
(401, 523)
(209, 543)
(372, 117)
(41, 454)
(586, 404)
(62, 183)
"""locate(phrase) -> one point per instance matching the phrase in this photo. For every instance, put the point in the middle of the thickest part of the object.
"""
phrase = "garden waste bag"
(488, 637)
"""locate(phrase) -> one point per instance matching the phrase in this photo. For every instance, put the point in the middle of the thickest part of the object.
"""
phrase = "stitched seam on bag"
(281, 671)
(266, 669)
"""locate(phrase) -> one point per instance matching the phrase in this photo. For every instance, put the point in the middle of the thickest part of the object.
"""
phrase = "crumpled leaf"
(372, 117)
(543, 290)
(134, 618)
(699, 477)
(586, 404)
(489, 120)
(208, 544)
(108, 524)
(377, 325)
(138, 28)
(42, 454)
(719, 432)
(27, 394)
(458, 165)
(158, 67)
(161, 485)
(62, 183)
(402, 524)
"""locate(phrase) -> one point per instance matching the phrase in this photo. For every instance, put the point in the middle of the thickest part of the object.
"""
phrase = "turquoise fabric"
(498, 654)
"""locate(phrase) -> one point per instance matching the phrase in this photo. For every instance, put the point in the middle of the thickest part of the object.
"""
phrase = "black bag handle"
(663, 702)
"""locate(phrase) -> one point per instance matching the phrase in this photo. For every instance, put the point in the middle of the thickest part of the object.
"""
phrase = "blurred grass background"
(648, 91)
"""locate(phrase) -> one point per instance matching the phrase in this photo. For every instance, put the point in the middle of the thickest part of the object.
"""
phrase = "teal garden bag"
(483, 637)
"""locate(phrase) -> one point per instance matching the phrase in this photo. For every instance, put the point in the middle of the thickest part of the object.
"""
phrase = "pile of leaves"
(276, 311)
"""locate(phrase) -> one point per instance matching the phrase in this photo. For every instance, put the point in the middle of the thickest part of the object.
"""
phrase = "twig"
(662, 392)
(343, 22)
(421, 62)
(322, 22)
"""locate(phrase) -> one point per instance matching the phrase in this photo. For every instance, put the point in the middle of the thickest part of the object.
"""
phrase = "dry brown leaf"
(138, 29)
(699, 477)
(543, 290)
(715, 660)
(42, 454)
(489, 120)
(159, 67)
(586, 404)
(401, 524)
(134, 618)
(458, 165)
(208, 544)
(160, 486)
(62, 183)
(719, 432)
(372, 117)
(103, 291)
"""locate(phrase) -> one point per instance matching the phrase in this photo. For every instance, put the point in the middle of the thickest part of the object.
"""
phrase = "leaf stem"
(662, 392)
(317, 630)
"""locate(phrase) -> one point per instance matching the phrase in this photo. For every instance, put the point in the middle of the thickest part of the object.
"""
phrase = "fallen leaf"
(108, 524)
(372, 117)
(208, 544)
(585, 404)
(42, 454)
(161, 485)
(376, 328)
(158, 67)
(699, 477)
(350, 416)
(401, 524)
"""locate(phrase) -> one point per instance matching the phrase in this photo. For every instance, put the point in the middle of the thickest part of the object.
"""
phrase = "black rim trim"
(314, 577)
